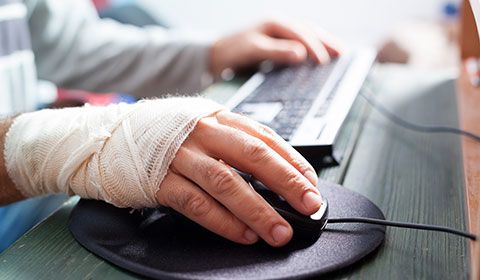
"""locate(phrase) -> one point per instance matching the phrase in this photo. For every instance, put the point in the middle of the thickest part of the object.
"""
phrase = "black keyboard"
(306, 104)
(294, 88)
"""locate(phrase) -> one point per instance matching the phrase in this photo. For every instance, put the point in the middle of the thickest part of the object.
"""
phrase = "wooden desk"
(410, 176)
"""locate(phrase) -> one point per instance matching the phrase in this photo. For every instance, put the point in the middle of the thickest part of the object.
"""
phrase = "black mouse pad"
(172, 249)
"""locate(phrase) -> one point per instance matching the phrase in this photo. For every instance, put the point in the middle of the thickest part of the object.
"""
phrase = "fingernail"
(250, 236)
(280, 233)
(312, 201)
(298, 54)
(311, 176)
(323, 58)
(295, 56)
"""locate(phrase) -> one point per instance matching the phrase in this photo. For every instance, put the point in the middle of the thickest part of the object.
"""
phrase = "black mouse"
(303, 226)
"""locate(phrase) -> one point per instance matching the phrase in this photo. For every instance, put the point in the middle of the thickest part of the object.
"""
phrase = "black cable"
(401, 224)
(420, 128)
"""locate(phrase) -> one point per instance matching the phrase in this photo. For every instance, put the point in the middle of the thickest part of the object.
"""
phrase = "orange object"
(468, 99)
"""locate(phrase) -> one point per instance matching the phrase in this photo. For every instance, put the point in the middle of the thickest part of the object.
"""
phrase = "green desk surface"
(411, 176)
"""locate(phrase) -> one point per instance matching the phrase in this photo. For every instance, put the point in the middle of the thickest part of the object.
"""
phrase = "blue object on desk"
(17, 218)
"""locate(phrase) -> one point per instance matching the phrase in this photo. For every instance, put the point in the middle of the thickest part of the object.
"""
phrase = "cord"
(420, 128)
(401, 224)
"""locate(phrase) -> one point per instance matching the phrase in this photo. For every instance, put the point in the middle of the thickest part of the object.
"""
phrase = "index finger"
(272, 139)
(333, 45)
(252, 155)
(315, 47)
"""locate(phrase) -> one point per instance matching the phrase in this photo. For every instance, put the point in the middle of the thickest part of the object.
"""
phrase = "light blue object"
(19, 217)
(121, 2)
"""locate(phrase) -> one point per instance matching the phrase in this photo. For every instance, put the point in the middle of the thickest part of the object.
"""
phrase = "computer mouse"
(309, 227)
(302, 225)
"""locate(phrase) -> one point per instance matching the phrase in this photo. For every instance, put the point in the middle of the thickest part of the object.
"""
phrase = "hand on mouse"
(201, 184)
(277, 40)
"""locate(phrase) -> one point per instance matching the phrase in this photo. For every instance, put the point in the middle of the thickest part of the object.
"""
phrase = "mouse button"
(305, 229)
(298, 220)
(300, 226)
(322, 212)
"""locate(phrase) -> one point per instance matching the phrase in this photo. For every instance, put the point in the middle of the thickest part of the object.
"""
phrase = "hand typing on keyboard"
(202, 185)
(276, 40)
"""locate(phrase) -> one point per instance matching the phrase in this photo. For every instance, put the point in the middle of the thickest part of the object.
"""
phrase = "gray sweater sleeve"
(76, 49)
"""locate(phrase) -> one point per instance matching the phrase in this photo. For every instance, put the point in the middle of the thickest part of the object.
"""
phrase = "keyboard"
(305, 104)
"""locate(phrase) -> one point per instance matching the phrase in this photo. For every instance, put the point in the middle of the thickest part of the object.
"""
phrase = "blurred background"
(416, 33)
(418, 26)
(354, 22)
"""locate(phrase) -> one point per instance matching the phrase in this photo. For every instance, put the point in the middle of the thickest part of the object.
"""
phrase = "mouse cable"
(419, 128)
(401, 224)
(408, 125)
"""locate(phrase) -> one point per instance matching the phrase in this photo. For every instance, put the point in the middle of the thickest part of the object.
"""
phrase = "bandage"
(119, 154)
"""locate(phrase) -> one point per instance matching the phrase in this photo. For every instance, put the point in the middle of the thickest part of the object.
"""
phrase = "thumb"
(282, 51)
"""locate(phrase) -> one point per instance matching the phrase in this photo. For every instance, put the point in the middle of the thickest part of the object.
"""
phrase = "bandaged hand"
(201, 184)
(175, 152)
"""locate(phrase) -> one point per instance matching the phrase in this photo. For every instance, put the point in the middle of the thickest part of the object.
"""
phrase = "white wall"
(357, 22)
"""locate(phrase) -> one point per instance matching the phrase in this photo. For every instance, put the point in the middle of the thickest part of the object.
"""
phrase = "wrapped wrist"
(119, 154)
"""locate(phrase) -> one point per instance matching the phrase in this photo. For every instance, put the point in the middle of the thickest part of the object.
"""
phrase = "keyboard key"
(295, 88)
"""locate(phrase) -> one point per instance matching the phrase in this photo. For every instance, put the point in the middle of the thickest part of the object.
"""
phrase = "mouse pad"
(172, 249)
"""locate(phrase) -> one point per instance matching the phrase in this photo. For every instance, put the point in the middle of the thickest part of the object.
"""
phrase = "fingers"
(333, 45)
(272, 139)
(186, 198)
(318, 50)
(280, 50)
(229, 189)
(250, 154)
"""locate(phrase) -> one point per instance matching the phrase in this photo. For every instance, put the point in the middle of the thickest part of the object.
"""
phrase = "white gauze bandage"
(119, 154)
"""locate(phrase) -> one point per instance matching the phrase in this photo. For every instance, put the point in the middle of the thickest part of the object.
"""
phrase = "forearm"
(8, 192)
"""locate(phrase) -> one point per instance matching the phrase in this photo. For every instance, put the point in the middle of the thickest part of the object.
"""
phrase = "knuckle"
(182, 151)
(202, 125)
(202, 122)
(294, 182)
(271, 22)
(240, 117)
(301, 165)
(259, 214)
(223, 114)
(257, 49)
(161, 198)
(195, 205)
(171, 200)
(271, 138)
(222, 180)
(255, 150)
(163, 195)
(266, 131)
(266, 25)
(226, 227)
